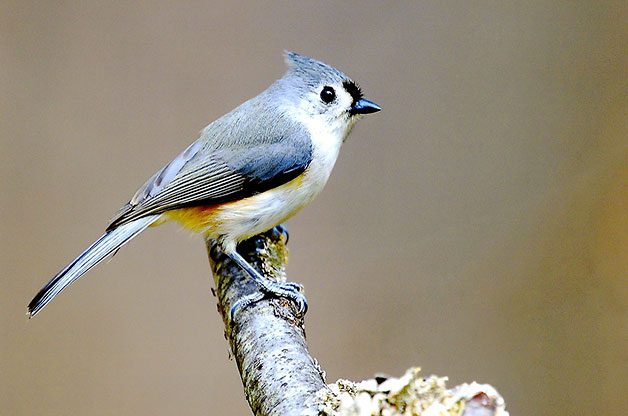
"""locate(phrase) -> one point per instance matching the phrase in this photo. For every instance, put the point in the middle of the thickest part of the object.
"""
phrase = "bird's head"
(322, 93)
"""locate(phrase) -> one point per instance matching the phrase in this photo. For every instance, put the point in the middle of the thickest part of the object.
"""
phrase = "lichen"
(408, 395)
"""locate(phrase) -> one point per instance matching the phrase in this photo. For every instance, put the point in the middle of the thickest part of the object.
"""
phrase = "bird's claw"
(244, 302)
(289, 290)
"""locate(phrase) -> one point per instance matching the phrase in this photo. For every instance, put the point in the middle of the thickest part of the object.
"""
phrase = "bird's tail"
(94, 254)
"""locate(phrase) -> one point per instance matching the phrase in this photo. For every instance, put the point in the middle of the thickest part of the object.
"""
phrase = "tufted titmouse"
(250, 170)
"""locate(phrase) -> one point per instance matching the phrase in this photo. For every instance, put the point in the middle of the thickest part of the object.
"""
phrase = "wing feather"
(206, 176)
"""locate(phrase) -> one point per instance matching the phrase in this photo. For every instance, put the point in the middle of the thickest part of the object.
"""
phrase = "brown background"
(476, 227)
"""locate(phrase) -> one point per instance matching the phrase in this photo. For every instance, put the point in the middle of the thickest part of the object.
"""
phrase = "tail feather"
(94, 254)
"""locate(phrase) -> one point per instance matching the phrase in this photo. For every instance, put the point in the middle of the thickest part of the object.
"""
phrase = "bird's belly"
(238, 220)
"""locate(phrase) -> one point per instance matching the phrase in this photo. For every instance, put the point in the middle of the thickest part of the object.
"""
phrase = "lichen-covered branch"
(409, 395)
(267, 340)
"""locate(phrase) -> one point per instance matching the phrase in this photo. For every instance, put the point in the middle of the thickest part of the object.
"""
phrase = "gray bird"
(249, 171)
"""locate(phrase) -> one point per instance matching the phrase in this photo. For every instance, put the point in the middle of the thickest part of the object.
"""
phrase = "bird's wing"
(203, 176)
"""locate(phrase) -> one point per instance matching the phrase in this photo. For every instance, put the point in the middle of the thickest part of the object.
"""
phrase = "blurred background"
(477, 227)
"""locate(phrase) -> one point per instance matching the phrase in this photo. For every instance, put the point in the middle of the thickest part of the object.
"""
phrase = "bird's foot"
(271, 288)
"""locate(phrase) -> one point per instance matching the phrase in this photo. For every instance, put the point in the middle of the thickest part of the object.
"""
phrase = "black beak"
(363, 106)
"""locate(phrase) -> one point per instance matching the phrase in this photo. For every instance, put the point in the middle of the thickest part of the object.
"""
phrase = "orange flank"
(244, 217)
(197, 219)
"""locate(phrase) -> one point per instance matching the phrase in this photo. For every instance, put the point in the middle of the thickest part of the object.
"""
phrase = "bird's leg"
(290, 290)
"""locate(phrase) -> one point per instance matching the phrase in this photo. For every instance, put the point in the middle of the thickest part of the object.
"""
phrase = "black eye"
(328, 95)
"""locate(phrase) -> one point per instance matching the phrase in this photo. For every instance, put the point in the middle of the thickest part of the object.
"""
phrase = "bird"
(249, 170)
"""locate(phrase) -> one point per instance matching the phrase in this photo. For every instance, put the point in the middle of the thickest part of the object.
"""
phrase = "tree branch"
(266, 338)
(279, 376)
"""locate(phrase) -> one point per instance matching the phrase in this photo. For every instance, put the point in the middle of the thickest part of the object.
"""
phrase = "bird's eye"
(328, 94)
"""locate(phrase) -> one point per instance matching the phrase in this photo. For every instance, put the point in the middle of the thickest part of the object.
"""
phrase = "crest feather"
(311, 69)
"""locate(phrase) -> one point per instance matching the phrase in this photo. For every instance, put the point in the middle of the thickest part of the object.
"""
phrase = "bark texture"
(267, 338)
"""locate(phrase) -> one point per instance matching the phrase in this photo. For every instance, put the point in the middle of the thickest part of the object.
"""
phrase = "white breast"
(326, 144)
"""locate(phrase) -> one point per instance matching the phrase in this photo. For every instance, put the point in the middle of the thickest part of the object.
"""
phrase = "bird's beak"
(363, 106)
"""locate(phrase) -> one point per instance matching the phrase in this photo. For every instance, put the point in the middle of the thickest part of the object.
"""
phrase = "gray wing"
(201, 175)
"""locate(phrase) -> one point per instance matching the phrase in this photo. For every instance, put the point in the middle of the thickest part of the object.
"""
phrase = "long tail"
(94, 254)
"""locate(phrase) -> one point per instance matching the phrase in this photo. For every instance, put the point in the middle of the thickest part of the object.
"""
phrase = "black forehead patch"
(353, 89)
